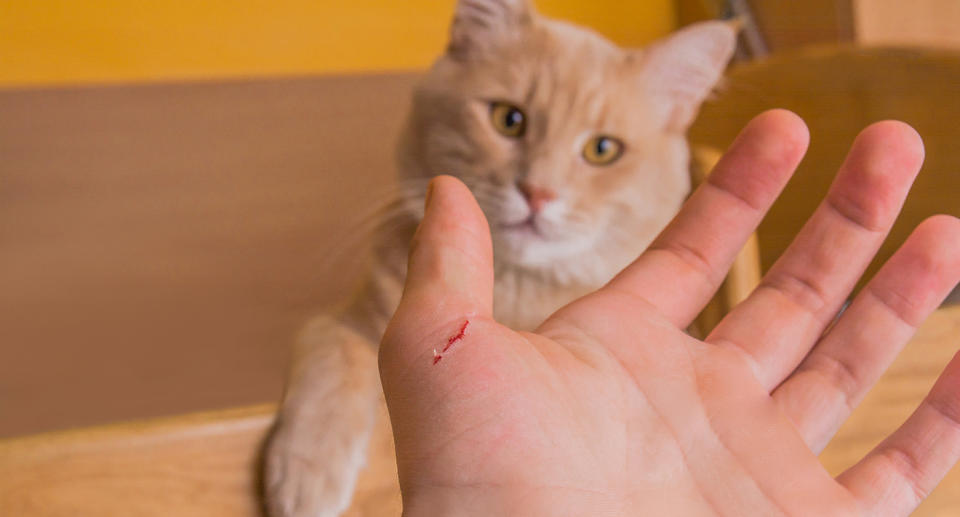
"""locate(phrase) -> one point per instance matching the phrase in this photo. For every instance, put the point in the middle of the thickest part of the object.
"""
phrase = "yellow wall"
(81, 41)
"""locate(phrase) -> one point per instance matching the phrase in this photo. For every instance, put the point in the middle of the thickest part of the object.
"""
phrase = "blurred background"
(180, 182)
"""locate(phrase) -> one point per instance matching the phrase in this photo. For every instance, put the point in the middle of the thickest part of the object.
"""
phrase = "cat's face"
(572, 146)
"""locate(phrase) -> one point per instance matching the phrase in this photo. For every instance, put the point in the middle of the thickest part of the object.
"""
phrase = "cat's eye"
(602, 150)
(508, 119)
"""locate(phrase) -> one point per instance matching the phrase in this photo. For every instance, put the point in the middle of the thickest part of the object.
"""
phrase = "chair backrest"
(839, 91)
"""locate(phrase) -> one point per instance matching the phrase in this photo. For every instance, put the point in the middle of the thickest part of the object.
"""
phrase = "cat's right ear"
(683, 68)
(483, 26)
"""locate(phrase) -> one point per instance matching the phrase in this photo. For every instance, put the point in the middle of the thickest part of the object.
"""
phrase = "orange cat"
(575, 150)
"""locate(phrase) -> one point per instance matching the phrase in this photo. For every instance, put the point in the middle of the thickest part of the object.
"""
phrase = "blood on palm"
(437, 356)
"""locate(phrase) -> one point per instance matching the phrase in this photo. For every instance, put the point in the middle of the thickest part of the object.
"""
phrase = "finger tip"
(454, 218)
(763, 157)
(785, 127)
(931, 259)
(450, 193)
(880, 168)
(944, 223)
(783, 115)
(446, 186)
(941, 234)
(788, 121)
(898, 135)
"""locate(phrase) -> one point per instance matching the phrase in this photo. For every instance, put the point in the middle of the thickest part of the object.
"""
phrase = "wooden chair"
(838, 91)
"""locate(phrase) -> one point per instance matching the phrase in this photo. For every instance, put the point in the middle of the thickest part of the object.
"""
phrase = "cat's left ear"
(682, 69)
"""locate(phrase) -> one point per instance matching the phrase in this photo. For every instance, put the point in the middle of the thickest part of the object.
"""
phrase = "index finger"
(686, 263)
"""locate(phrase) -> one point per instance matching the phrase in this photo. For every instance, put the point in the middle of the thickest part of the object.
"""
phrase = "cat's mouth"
(528, 226)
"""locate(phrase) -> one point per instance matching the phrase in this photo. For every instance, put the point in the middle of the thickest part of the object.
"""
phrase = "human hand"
(610, 408)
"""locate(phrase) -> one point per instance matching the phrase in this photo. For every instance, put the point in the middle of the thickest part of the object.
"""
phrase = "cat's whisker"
(740, 87)
(386, 213)
(383, 200)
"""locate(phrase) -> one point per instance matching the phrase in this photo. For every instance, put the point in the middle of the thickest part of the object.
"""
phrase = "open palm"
(610, 408)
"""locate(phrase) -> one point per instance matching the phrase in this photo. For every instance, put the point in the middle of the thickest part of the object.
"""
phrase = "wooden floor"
(198, 465)
(206, 465)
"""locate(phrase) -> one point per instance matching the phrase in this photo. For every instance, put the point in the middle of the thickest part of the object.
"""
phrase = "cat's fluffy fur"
(571, 84)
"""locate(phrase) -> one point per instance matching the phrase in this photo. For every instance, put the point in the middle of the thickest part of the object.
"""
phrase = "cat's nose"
(536, 196)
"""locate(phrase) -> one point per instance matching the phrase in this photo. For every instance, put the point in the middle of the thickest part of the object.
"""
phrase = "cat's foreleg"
(319, 443)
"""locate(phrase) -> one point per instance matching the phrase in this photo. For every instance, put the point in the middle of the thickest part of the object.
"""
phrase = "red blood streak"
(458, 337)
(437, 356)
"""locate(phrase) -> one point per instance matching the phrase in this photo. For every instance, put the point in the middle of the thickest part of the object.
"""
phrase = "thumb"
(450, 266)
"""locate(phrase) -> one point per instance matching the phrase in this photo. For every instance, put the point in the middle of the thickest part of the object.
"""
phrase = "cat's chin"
(528, 249)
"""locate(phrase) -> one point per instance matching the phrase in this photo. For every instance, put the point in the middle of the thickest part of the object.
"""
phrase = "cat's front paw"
(311, 476)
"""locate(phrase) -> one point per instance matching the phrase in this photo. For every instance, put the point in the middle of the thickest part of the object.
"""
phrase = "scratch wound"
(437, 356)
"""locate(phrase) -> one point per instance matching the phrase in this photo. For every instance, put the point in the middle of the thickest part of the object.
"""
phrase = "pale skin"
(609, 408)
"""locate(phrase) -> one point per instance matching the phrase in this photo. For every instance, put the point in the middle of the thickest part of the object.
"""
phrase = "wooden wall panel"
(160, 245)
